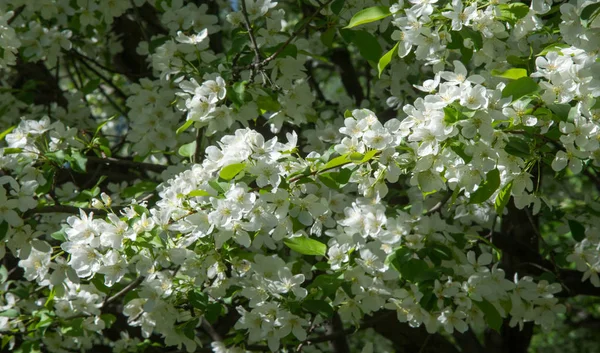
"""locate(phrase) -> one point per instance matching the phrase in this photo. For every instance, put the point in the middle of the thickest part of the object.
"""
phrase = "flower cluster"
(351, 215)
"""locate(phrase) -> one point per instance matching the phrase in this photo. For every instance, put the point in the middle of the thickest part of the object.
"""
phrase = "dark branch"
(157, 168)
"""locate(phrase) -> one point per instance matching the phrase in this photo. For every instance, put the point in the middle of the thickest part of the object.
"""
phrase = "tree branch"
(157, 168)
(118, 91)
(295, 34)
(257, 56)
(338, 344)
(16, 14)
(132, 285)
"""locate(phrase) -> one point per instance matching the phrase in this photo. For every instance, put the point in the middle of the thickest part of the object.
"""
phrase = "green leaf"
(138, 189)
(416, 270)
(5, 340)
(327, 283)
(6, 132)
(502, 198)
(328, 180)
(57, 156)
(518, 147)
(229, 172)
(513, 12)
(368, 156)
(184, 127)
(187, 150)
(109, 319)
(98, 282)
(487, 189)
(59, 235)
(215, 185)
(491, 314)
(102, 124)
(9, 313)
(320, 307)
(369, 15)
(91, 86)
(267, 104)
(78, 161)
(327, 37)
(336, 162)
(12, 150)
(3, 274)
(198, 192)
(213, 311)
(519, 88)
(356, 157)
(438, 252)
(399, 257)
(385, 60)
(306, 246)
(577, 230)
(367, 45)
(474, 36)
(553, 47)
(238, 94)
(589, 14)
(198, 300)
(337, 6)
(511, 74)
(189, 329)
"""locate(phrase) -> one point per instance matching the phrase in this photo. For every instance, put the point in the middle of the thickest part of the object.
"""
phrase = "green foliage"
(306, 246)
(369, 15)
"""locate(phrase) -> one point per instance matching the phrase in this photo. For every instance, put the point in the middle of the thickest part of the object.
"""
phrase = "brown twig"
(16, 14)
(132, 285)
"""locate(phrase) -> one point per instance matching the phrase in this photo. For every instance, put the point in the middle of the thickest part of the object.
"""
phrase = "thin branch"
(257, 56)
(125, 290)
(425, 344)
(316, 172)
(95, 62)
(64, 209)
(214, 335)
(338, 344)
(199, 151)
(295, 34)
(119, 92)
(259, 64)
(158, 168)
(16, 14)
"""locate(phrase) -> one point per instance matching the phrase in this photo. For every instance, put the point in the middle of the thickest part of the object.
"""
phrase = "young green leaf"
(336, 162)
(519, 88)
(306, 246)
(369, 15)
(367, 45)
(487, 189)
(589, 14)
(491, 314)
(229, 172)
(511, 74)
(502, 198)
(518, 147)
(386, 59)
(198, 192)
(320, 307)
(6, 132)
(187, 150)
